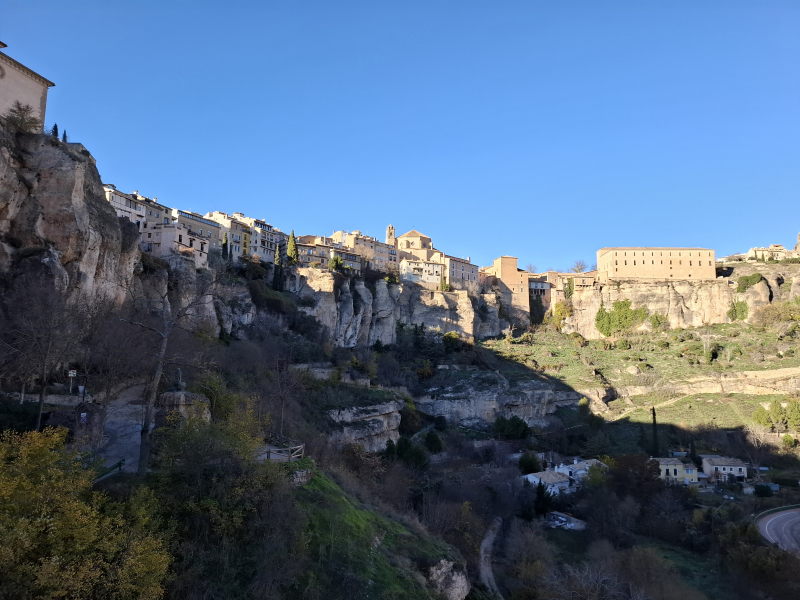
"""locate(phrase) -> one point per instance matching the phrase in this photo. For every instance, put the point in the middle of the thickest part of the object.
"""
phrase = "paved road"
(123, 429)
(782, 529)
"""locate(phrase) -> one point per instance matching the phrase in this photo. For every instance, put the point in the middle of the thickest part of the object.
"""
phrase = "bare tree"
(161, 313)
(530, 268)
(578, 267)
(41, 331)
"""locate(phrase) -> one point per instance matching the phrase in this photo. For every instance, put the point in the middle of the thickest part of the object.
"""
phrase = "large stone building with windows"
(643, 263)
(377, 255)
(416, 247)
(20, 84)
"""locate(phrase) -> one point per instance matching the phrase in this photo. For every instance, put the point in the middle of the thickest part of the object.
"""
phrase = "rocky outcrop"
(475, 398)
(448, 581)
(683, 303)
(54, 219)
(368, 426)
(355, 313)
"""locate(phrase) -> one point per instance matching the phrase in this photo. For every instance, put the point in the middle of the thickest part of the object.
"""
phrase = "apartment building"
(416, 247)
(377, 255)
(422, 272)
(316, 251)
(645, 263)
(234, 235)
(19, 83)
(127, 206)
(263, 239)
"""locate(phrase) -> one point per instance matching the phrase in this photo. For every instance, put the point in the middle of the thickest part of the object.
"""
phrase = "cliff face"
(683, 303)
(355, 313)
(54, 219)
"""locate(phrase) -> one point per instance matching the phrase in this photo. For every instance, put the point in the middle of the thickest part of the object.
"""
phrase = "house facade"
(723, 468)
(645, 263)
(377, 255)
(554, 482)
(674, 470)
(422, 272)
(126, 206)
(19, 83)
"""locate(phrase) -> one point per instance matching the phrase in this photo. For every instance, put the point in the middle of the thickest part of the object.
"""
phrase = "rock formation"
(368, 426)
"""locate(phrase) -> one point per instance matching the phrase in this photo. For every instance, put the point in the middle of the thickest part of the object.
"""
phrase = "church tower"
(390, 239)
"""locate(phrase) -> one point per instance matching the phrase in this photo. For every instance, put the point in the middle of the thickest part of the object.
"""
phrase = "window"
(180, 239)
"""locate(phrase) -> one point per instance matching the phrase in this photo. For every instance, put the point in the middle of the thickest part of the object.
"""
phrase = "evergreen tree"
(793, 415)
(291, 250)
(64, 136)
(542, 501)
(276, 259)
(777, 415)
(20, 117)
(54, 130)
(529, 463)
(761, 417)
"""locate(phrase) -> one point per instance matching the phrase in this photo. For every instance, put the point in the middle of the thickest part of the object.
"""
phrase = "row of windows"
(661, 262)
(677, 253)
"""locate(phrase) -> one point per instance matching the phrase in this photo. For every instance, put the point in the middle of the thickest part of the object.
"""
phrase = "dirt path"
(123, 429)
(628, 411)
(486, 571)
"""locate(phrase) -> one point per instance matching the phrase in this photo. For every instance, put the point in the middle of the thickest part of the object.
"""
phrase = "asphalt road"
(782, 529)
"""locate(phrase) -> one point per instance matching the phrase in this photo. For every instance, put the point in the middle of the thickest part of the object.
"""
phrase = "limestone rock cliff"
(476, 398)
(367, 426)
(54, 219)
(683, 303)
(355, 313)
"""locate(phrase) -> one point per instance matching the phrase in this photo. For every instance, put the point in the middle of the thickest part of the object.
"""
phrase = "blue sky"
(543, 130)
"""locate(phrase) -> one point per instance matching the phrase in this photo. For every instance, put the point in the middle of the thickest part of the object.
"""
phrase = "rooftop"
(414, 233)
(723, 461)
(23, 68)
(669, 461)
(549, 477)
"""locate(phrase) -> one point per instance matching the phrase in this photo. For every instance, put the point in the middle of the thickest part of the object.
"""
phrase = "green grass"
(668, 356)
(721, 410)
(699, 571)
(361, 553)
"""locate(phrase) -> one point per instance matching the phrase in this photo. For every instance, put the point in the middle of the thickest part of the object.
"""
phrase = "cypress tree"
(291, 250)
(54, 130)
(64, 136)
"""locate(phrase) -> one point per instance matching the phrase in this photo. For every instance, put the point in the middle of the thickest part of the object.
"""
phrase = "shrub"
(510, 429)
(620, 318)
(622, 344)
(788, 442)
(433, 442)
(658, 321)
(747, 281)
(452, 342)
(529, 463)
(738, 311)
(561, 312)
(762, 490)
(265, 297)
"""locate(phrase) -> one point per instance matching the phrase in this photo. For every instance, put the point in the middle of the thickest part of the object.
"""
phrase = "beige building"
(426, 273)
(234, 234)
(316, 251)
(377, 255)
(513, 282)
(416, 247)
(771, 252)
(554, 482)
(655, 263)
(723, 468)
(126, 206)
(262, 240)
(20, 84)
(674, 470)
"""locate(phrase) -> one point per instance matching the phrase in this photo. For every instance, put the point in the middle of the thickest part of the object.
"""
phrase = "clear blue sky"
(543, 130)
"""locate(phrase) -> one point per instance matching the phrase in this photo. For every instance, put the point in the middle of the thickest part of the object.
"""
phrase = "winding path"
(486, 572)
(782, 529)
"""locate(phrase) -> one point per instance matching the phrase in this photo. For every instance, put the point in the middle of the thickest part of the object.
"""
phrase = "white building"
(554, 482)
(126, 206)
(20, 84)
(578, 470)
(422, 272)
(723, 468)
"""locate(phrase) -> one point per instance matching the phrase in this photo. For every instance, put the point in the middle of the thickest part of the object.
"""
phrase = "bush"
(510, 429)
(265, 297)
(762, 490)
(451, 342)
(529, 463)
(658, 321)
(433, 442)
(738, 311)
(620, 318)
(561, 312)
(747, 281)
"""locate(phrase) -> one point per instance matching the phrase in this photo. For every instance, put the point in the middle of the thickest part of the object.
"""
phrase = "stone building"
(642, 263)
(426, 273)
(459, 273)
(377, 255)
(234, 233)
(772, 252)
(316, 250)
(20, 84)
(262, 240)
(512, 282)
(126, 206)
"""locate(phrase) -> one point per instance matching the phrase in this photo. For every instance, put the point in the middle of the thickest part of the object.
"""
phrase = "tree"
(793, 415)
(335, 263)
(276, 259)
(578, 267)
(777, 415)
(529, 463)
(59, 538)
(433, 442)
(42, 329)
(761, 417)
(542, 501)
(530, 268)
(20, 117)
(162, 313)
(292, 253)
(54, 130)
(64, 136)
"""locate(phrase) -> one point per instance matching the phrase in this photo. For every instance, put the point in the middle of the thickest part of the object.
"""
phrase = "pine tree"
(276, 259)
(291, 250)
(793, 415)
(777, 415)
(64, 136)
(20, 117)
(54, 130)
(542, 501)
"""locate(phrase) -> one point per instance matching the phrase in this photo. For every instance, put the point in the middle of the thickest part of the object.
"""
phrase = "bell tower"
(390, 239)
